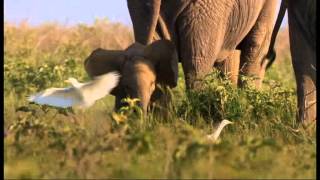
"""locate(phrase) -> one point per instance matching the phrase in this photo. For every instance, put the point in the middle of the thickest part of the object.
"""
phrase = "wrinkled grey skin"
(142, 68)
(208, 31)
(302, 34)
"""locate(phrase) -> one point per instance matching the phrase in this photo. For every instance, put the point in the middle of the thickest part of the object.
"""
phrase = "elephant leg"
(230, 66)
(195, 69)
(144, 16)
(196, 50)
(302, 46)
(306, 90)
(255, 45)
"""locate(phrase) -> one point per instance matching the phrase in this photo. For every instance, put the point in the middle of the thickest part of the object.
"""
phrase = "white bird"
(79, 95)
(215, 135)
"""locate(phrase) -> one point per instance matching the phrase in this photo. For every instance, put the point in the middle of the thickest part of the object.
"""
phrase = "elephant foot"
(251, 75)
(195, 80)
(246, 81)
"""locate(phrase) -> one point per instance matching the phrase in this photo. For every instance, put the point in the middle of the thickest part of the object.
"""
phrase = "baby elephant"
(141, 68)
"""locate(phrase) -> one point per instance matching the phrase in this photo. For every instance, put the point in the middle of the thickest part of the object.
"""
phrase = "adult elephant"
(206, 32)
(302, 34)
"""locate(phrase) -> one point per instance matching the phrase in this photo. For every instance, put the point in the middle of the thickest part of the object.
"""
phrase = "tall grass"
(47, 142)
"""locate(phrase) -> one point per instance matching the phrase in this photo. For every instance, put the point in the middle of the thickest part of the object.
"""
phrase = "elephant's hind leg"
(230, 66)
(302, 45)
(255, 45)
(306, 90)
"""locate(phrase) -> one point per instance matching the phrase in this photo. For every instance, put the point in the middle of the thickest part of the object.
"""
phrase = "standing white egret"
(215, 135)
(79, 95)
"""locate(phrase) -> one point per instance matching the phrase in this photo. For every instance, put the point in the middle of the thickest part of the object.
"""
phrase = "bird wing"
(59, 97)
(99, 87)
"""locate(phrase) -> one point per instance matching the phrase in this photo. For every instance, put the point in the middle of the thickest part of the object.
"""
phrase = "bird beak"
(67, 81)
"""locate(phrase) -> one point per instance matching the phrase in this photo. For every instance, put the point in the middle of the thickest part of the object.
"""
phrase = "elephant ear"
(136, 49)
(164, 57)
(102, 61)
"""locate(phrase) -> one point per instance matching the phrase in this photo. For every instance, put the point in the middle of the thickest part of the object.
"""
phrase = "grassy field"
(44, 142)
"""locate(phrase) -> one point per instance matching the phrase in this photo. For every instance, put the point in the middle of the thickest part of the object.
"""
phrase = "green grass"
(46, 142)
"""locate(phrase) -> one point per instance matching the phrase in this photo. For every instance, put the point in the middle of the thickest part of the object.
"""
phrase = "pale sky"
(67, 12)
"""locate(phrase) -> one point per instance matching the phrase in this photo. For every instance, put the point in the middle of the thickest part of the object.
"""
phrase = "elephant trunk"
(144, 17)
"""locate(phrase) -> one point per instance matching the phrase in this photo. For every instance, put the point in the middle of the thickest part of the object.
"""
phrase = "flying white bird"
(215, 135)
(79, 95)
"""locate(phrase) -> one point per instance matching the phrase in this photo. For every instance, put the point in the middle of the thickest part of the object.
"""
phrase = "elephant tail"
(271, 55)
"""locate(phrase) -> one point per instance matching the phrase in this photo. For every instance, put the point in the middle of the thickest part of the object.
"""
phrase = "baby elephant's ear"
(136, 49)
(102, 61)
(163, 55)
